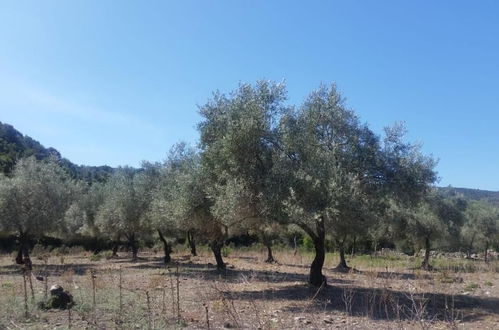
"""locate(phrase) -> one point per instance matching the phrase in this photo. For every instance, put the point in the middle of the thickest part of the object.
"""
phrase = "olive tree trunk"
(270, 256)
(343, 261)
(352, 254)
(192, 243)
(22, 257)
(166, 248)
(216, 247)
(116, 246)
(426, 261)
(316, 278)
(134, 245)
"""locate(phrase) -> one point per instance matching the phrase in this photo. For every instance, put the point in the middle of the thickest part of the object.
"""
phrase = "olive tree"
(33, 201)
(169, 210)
(80, 216)
(330, 162)
(195, 208)
(481, 226)
(434, 217)
(267, 232)
(315, 166)
(238, 137)
(341, 175)
(124, 210)
(181, 202)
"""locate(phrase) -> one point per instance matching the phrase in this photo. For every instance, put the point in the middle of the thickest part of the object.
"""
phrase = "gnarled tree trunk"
(135, 251)
(116, 246)
(352, 254)
(270, 256)
(216, 247)
(132, 242)
(316, 278)
(426, 261)
(192, 242)
(343, 262)
(22, 257)
(166, 247)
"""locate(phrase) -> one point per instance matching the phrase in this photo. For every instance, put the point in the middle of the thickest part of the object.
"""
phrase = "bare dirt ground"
(383, 293)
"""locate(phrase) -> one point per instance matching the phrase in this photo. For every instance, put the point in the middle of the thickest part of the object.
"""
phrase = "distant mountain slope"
(475, 194)
(14, 145)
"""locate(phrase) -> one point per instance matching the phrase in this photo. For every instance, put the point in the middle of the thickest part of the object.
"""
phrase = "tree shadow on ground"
(378, 303)
(50, 269)
(295, 265)
(248, 258)
(208, 271)
(185, 261)
(395, 275)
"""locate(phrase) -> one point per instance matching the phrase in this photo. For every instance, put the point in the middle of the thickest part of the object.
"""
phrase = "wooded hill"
(14, 145)
(473, 194)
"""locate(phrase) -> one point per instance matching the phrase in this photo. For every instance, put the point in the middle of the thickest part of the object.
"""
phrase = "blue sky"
(116, 82)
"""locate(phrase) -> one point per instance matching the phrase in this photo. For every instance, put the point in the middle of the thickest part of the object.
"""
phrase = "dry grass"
(382, 292)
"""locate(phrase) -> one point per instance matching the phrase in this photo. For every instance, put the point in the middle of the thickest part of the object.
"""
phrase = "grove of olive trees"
(261, 166)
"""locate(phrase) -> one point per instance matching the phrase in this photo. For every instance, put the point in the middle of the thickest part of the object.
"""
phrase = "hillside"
(14, 145)
(474, 194)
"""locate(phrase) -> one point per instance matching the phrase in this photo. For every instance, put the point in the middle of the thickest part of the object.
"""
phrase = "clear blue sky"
(116, 82)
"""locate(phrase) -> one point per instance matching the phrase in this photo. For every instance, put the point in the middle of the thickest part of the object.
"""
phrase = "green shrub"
(445, 278)
(95, 257)
(472, 287)
(308, 244)
(228, 249)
